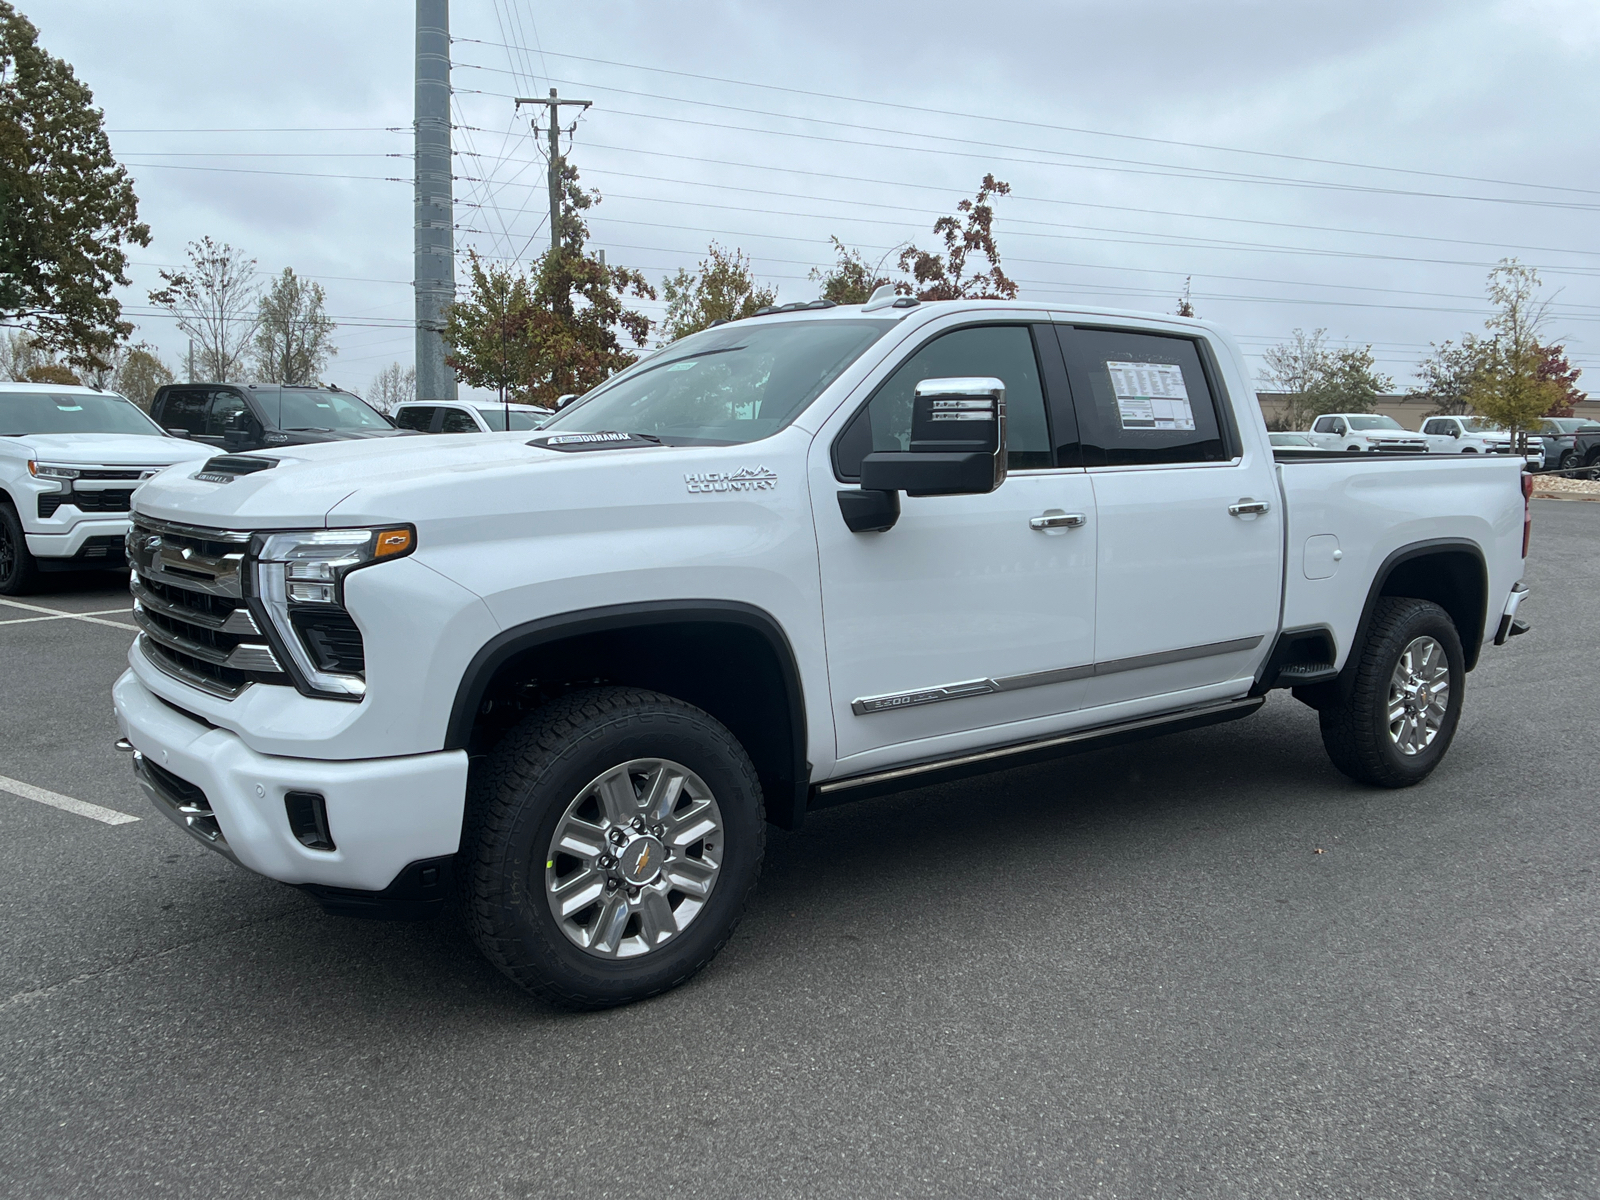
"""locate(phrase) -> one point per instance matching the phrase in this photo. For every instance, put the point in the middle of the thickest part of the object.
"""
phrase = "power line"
(1091, 161)
(1052, 127)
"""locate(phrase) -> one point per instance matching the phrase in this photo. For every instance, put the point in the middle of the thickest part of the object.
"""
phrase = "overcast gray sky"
(1353, 165)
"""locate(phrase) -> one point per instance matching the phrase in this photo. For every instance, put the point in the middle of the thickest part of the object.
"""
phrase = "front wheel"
(19, 572)
(612, 842)
(1394, 718)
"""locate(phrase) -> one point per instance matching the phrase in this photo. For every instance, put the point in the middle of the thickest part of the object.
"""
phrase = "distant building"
(1410, 411)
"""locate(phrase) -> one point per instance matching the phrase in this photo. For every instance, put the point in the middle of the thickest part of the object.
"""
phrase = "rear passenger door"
(1189, 570)
(458, 420)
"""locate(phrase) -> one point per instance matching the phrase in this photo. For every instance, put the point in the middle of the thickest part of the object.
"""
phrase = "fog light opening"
(308, 820)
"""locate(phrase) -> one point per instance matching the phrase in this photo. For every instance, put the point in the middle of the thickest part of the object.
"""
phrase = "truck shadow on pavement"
(1034, 842)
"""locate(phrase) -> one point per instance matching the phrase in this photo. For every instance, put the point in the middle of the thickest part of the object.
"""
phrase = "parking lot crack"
(46, 991)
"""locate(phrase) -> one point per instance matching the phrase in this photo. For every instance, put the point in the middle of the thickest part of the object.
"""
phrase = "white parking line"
(57, 614)
(107, 816)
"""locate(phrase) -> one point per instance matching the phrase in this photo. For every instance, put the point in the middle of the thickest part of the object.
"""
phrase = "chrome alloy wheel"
(1419, 695)
(634, 858)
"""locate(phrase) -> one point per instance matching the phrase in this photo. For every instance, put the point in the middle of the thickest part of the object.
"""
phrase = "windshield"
(1375, 423)
(735, 383)
(64, 412)
(495, 418)
(1565, 424)
(320, 410)
(1479, 425)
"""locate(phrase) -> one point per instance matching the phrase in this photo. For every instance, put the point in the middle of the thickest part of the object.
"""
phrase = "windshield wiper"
(309, 429)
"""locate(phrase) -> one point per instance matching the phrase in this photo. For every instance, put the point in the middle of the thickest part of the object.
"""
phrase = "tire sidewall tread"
(519, 793)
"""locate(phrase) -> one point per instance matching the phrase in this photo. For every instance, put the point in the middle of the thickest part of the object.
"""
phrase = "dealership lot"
(1204, 966)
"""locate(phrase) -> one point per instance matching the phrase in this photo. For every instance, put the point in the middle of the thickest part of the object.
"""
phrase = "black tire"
(1355, 724)
(19, 573)
(524, 790)
(1567, 461)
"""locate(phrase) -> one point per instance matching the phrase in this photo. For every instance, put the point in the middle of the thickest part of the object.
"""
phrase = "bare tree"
(293, 334)
(214, 301)
(392, 387)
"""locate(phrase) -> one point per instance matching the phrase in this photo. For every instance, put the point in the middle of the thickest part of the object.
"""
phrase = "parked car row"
(1564, 442)
(71, 457)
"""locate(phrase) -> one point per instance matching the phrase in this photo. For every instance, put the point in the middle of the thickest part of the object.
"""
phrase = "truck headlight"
(51, 471)
(299, 583)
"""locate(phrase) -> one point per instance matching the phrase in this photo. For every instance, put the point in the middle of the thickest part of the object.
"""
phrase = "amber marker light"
(392, 542)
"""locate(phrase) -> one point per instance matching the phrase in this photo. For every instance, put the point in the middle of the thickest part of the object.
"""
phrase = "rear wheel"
(1568, 461)
(19, 573)
(1393, 720)
(612, 843)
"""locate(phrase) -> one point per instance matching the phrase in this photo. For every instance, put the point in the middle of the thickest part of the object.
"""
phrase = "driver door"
(963, 616)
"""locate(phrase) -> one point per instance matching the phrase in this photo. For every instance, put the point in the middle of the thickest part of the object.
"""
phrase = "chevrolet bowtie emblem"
(644, 861)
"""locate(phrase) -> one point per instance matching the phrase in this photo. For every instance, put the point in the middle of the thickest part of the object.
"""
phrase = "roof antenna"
(882, 297)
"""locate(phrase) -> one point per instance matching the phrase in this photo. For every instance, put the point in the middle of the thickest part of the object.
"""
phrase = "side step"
(964, 766)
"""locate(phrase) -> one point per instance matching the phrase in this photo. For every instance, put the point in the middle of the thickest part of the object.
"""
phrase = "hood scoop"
(605, 439)
(225, 468)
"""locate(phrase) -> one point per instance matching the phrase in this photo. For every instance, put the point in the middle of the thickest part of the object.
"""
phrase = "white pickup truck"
(813, 555)
(70, 459)
(1364, 431)
(1474, 435)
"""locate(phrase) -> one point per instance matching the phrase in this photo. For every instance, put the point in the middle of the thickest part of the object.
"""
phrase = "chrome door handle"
(1248, 507)
(1054, 518)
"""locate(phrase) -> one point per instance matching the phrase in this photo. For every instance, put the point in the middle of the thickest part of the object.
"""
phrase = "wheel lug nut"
(611, 885)
(658, 829)
(617, 836)
(607, 862)
(638, 824)
(633, 893)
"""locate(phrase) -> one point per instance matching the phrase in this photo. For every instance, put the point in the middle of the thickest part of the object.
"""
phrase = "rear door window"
(227, 411)
(1142, 398)
(457, 421)
(416, 416)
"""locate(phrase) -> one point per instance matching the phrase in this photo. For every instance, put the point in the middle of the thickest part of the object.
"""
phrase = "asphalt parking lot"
(1206, 966)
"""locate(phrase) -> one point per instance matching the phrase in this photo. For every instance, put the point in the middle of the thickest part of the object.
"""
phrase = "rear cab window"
(1144, 399)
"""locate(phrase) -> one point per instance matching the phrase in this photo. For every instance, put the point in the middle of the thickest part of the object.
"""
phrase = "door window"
(226, 412)
(1141, 398)
(456, 421)
(416, 416)
(186, 410)
(1003, 351)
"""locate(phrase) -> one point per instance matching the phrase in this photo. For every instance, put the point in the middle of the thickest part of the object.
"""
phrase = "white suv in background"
(1364, 431)
(1474, 435)
(70, 459)
(466, 416)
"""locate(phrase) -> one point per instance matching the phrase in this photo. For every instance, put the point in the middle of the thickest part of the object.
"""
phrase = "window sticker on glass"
(1151, 395)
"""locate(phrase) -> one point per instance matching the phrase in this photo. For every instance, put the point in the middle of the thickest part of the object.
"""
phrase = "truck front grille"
(189, 604)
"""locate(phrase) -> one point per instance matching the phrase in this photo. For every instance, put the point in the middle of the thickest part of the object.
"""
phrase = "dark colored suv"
(255, 416)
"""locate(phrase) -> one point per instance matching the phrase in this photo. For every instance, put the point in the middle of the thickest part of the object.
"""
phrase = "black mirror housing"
(178, 433)
(958, 442)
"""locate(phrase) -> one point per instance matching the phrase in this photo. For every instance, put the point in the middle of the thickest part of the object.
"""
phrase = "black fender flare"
(786, 810)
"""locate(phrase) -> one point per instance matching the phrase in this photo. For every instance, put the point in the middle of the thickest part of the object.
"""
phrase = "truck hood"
(110, 449)
(395, 475)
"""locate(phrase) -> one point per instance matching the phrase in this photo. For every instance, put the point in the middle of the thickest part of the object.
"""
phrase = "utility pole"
(434, 269)
(554, 104)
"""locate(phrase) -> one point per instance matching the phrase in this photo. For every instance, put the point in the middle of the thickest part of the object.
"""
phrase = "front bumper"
(71, 542)
(382, 814)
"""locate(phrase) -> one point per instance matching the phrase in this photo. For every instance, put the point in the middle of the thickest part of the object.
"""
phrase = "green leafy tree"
(722, 289)
(214, 301)
(66, 207)
(1448, 375)
(555, 331)
(294, 335)
(1315, 378)
(1511, 388)
(944, 276)
(851, 279)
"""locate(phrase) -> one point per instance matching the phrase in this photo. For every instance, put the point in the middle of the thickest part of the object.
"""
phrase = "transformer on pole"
(434, 271)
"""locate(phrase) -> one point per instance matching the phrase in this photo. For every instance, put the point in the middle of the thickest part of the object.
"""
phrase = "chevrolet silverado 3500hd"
(812, 555)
